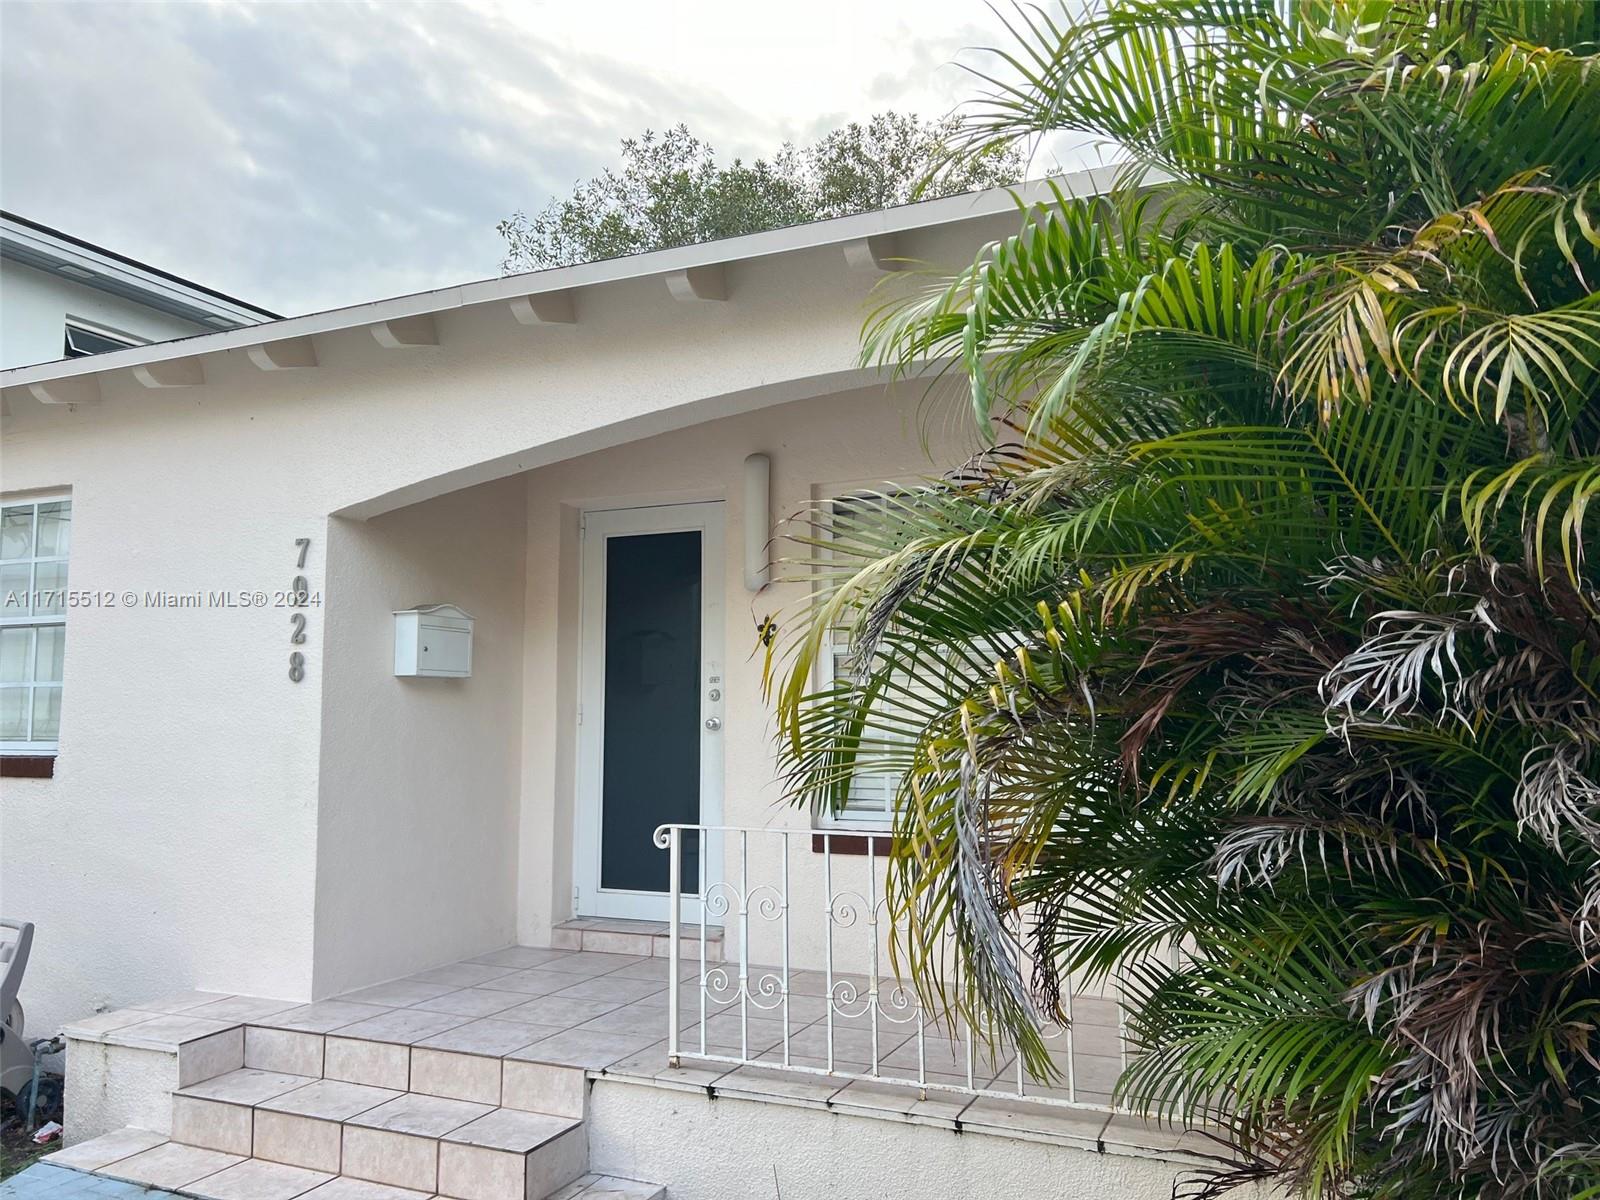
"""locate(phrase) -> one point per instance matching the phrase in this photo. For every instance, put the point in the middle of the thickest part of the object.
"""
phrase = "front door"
(650, 703)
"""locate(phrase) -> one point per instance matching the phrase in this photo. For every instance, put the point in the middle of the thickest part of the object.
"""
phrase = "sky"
(303, 156)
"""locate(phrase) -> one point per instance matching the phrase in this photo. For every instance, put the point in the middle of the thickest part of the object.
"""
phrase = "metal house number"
(299, 591)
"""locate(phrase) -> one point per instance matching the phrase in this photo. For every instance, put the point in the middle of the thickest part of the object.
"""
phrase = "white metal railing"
(847, 1024)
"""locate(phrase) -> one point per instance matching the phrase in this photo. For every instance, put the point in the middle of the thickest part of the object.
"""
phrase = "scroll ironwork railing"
(848, 1018)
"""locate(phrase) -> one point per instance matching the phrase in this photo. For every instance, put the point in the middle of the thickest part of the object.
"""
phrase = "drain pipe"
(50, 1045)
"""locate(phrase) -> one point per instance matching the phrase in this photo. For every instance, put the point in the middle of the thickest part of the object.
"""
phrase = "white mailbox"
(434, 641)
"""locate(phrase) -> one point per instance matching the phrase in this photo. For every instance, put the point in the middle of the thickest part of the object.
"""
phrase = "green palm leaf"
(1255, 671)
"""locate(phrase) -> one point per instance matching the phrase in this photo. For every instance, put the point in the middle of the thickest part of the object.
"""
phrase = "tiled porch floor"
(608, 1013)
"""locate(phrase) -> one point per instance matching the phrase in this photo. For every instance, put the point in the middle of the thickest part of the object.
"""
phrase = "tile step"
(137, 1156)
(311, 1130)
(645, 938)
(608, 1187)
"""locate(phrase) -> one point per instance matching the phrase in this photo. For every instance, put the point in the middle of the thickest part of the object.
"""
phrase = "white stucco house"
(63, 297)
(383, 640)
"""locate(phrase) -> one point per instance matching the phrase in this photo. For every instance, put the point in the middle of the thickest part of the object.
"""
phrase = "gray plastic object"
(16, 1056)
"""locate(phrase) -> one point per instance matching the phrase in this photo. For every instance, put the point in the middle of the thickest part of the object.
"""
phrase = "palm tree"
(1256, 666)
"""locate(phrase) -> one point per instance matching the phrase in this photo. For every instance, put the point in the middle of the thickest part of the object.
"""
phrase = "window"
(84, 339)
(34, 539)
(871, 799)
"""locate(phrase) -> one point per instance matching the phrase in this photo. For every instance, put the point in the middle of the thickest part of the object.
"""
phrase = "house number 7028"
(300, 589)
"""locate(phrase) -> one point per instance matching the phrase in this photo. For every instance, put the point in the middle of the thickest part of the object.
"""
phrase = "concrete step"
(482, 1078)
(149, 1159)
(606, 1187)
(425, 1143)
(266, 1109)
(607, 935)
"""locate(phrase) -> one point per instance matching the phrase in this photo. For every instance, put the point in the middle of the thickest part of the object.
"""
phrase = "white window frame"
(104, 331)
(862, 820)
(33, 747)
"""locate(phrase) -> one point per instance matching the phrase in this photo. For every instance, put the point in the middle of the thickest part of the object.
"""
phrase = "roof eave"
(43, 248)
(927, 214)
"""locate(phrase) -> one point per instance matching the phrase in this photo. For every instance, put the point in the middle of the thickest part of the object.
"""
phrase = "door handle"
(713, 723)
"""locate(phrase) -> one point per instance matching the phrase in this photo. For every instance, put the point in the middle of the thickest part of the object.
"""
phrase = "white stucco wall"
(417, 808)
(821, 447)
(116, 1087)
(35, 305)
(175, 846)
(178, 845)
(733, 1149)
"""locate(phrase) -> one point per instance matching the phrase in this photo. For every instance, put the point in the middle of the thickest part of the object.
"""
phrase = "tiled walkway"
(45, 1182)
(484, 1025)
(608, 1012)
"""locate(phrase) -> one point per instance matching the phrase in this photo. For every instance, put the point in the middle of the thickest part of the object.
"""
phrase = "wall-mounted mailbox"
(434, 641)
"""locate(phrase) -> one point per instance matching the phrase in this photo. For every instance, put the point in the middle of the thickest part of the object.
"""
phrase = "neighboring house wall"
(417, 804)
(35, 306)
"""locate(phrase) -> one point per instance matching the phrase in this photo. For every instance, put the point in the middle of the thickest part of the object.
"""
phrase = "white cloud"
(309, 155)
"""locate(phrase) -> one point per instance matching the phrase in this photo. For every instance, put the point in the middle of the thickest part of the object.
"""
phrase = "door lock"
(713, 723)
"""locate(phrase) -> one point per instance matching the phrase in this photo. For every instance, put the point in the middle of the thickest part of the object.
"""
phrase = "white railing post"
(1072, 1048)
(702, 845)
(1022, 1066)
(827, 926)
(744, 945)
(892, 1010)
(872, 932)
(674, 888)
(783, 840)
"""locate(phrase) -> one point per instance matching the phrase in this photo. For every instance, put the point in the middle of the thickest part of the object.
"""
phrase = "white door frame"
(596, 526)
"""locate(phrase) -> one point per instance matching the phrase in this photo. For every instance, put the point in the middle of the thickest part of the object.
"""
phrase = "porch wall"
(732, 1149)
(819, 447)
(417, 810)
